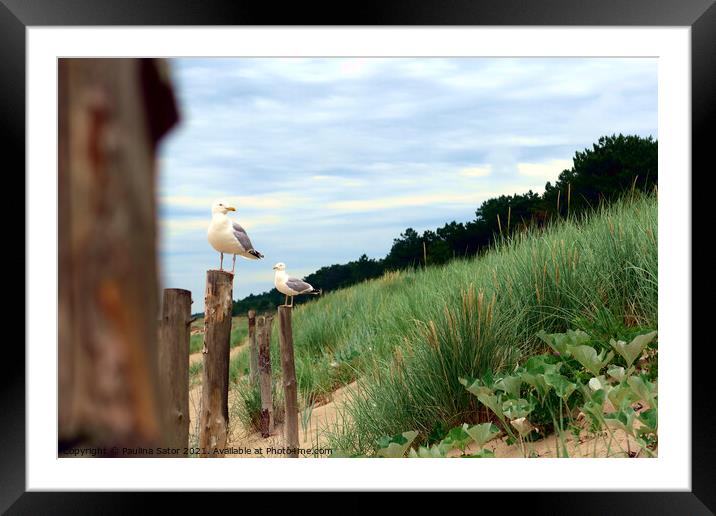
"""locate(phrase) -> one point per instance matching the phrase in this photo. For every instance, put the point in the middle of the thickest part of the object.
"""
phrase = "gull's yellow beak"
(230, 208)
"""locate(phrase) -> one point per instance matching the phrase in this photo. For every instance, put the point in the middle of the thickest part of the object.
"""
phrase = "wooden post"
(253, 349)
(214, 422)
(111, 115)
(264, 337)
(288, 369)
(173, 366)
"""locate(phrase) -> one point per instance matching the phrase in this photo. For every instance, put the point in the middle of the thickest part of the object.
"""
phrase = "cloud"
(178, 226)
(482, 171)
(276, 200)
(549, 171)
(398, 202)
(337, 180)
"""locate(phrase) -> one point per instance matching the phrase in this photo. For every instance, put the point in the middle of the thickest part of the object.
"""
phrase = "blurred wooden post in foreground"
(174, 329)
(289, 380)
(111, 115)
(253, 349)
(214, 421)
(263, 329)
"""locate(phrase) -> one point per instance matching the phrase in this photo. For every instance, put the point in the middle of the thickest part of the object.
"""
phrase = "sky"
(327, 159)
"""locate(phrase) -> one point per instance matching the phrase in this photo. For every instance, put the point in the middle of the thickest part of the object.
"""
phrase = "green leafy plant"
(554, 387)
(396, 446)
(633, 350)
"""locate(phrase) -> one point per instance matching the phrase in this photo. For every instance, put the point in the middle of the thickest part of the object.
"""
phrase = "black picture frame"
(700, 15)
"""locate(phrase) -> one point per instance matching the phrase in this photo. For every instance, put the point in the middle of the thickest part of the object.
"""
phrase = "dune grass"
(247, 408)
(239, 365)
(411, 334)
(239, 333)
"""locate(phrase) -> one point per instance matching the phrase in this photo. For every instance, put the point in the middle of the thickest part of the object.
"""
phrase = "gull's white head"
(280, 266)
(221, 207)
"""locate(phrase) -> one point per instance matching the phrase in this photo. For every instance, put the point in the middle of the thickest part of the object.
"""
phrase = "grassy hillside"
(411, 335)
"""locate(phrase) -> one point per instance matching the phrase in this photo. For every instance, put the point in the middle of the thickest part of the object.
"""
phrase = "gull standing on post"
(226, 236)
(291, 286)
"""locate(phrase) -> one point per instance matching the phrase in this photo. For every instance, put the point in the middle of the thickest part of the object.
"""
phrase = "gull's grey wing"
(298, 285)
(242, 237)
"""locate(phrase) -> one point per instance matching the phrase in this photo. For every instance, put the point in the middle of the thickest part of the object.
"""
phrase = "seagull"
(226, 236)
(291, 286)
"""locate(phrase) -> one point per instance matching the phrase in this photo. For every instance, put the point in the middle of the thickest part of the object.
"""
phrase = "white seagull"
(227, 236)
(291, 286)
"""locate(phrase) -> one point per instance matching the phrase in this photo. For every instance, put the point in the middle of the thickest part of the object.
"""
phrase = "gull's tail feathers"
(316, 291)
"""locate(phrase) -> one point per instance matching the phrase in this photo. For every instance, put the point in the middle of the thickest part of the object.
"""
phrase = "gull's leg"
(221, 262)
(291, 305)
(285, 302)
(233, 265)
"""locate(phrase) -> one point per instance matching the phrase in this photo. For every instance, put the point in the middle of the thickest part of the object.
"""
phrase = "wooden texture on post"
(174, 329)
(264, 337)
(214, 421)
(253, 349)
(288, 369)
(108, 285)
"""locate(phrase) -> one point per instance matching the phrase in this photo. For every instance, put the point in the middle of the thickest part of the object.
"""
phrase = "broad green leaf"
(577, 337)
(587, 356)
(621, 395)
(562, 342)
(633, 350)
(515, 409)
(484, 394)
(623, 419)
(617, 373)
(477, 387)
(482, 433)
(594, 406)
(557, 341)
(643, 389)
(562, 386)
(457, 438)
(649, 418)
(542, 364)
(510, 384)
(538, 382)
(384, 442)
(395, 446)
(428, 453)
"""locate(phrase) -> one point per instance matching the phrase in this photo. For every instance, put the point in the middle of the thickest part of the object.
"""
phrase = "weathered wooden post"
(174, 367)
(214, 422)
(264, 337)
(112, 113)
(288, 369)
(253, 349)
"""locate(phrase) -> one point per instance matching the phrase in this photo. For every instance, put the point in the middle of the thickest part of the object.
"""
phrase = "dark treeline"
(599, 175)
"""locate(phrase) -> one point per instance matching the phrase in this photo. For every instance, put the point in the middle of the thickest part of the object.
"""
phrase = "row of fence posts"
(173, 362)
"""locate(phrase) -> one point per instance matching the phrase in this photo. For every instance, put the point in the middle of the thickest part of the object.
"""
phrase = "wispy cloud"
(178, 226)
(482, 171)
(549, 170)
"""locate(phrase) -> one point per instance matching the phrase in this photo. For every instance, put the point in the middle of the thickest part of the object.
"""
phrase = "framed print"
(431, 233)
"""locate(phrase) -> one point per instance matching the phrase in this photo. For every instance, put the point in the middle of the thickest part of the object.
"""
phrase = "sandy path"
(198, 356)
(320, 419)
